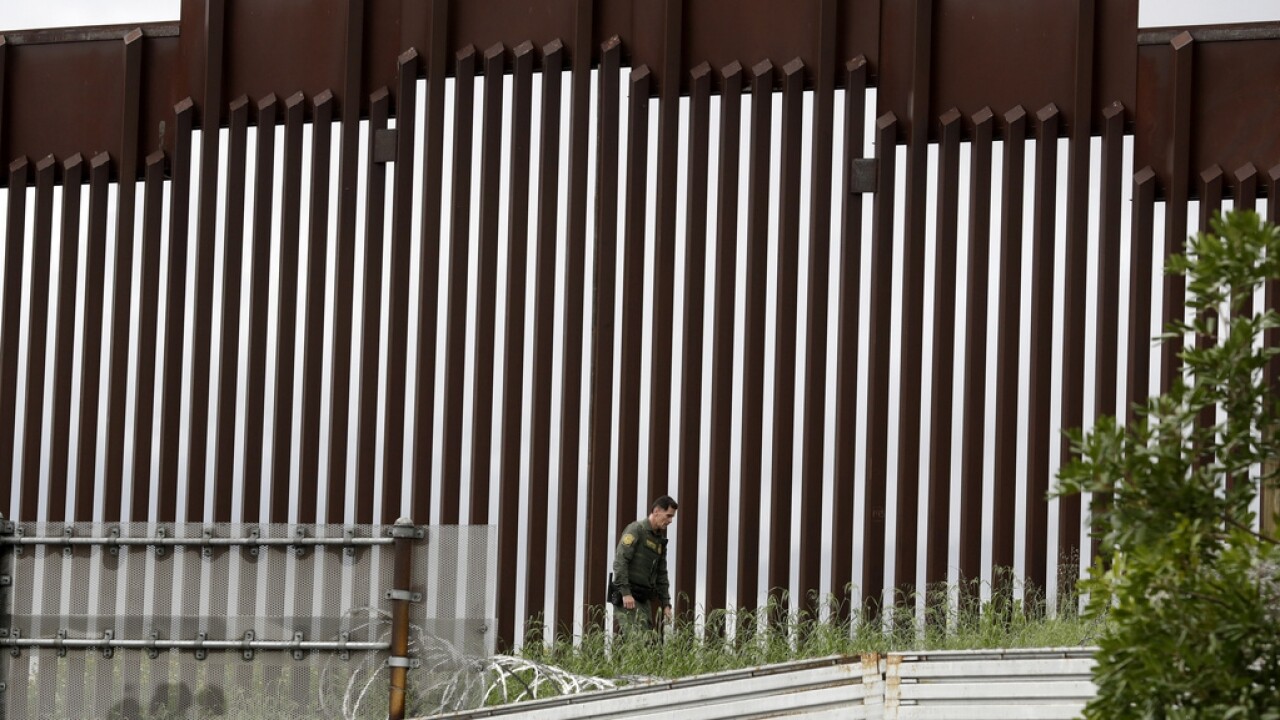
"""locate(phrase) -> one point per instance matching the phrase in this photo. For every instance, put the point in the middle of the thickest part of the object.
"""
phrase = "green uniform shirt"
(641, 562)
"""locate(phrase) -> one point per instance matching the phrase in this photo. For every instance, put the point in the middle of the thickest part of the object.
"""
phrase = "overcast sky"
(19, 14)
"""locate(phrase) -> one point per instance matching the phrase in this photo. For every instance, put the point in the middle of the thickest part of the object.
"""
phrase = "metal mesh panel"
(150, 595)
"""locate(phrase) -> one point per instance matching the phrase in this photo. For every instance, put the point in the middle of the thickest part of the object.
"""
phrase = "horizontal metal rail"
(195, 541)
(98, 643)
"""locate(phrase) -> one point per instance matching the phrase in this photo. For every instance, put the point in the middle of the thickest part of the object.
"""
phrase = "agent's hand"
(628, 602)
(667, 610)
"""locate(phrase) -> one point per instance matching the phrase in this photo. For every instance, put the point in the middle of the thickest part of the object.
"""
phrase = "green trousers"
(637, 621)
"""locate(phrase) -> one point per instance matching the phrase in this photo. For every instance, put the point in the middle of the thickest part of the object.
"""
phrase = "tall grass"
(775, 634)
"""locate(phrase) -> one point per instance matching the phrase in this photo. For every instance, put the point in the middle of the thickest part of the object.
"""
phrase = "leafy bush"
(1191, 591)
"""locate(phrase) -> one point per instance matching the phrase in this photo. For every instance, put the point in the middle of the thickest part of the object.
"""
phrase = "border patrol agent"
(640, 567)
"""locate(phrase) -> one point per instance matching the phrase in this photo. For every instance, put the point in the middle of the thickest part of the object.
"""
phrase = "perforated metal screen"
(259, 627)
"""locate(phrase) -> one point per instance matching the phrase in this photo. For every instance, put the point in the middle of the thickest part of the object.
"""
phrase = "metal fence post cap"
(403, 521)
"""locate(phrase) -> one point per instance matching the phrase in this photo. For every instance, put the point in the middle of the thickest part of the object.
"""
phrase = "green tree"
(1190, 591)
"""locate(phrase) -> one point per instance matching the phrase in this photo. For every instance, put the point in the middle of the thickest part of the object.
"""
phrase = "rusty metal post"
(400, 596)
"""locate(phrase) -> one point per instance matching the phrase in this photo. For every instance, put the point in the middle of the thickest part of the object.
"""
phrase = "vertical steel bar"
(757, 251)
(784, 366)
(1108, 312)
(1271, 290)
(919, 115)
(260, 274)
(1246, 187)
(233, 262)
(487, 283)
(1139, 369)
(513, 347)
(1008, 320)
(287, 304)
(1211, 185)
(148, 330)
(459, 257)
(664, 251)
(544, 307)
(175, 313)
(127, 169)
(602, 332)
(1176, 196)
(398, 297)
(423, 409)
(91, 347)
(691, 380)
(374, 231)
(1041, 359)
(207, 222)
(973, 441)
(343, 393)
(1079, 126)
(580, 52)
(15, 234)
(938, 520)
(313, 334)
(815, 370)
(882, 243)
(848, 311)
(629, 368)
(722, 350)
(64, 347)
(41, 242)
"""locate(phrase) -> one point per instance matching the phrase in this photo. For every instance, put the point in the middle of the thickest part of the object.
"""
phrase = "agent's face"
(660, 518)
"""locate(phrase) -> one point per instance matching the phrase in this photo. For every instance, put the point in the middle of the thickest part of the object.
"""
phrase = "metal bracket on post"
(160, 535)
(67, 533)
(301, 534)
(343, 638)
(407, 531)
(153, 652)
(107, 650)
(862, 178)
(114, 534)
(201, 653)
(410, 663)
(254, 534)
(406, 595)
(298, 652)
(348, 535)
(247, 647)
(207, 550)
(62, 649)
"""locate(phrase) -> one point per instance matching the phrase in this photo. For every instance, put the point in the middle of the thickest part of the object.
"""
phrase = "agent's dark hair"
(666, 502)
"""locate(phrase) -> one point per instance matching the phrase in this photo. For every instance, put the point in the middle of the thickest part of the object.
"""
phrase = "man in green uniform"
(640, 567)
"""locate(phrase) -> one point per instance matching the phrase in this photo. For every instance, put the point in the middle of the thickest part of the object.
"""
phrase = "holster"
(613, 593)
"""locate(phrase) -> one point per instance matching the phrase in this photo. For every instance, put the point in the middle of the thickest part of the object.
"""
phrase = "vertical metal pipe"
(41, 242)
(313, 301)
(509, 476)
(690, 442)
(175, 313)
(1141, 240)
(370, 327)
(1041, 359)
(633, 254)
(943, 361)
(400, 618)
(148, 331)
(974, 439)
(486, 292)
(91, 346)
(848, 310)
(459, 257)
(1008, 425)
(580, 56)
(873, 530)
(602, 332)
(1176, 196)
(127, 167)
(402, 202)
(722, 350)
(544, 302)
(64, 333)
(259, 289)
(784, 367)
(15, 233)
